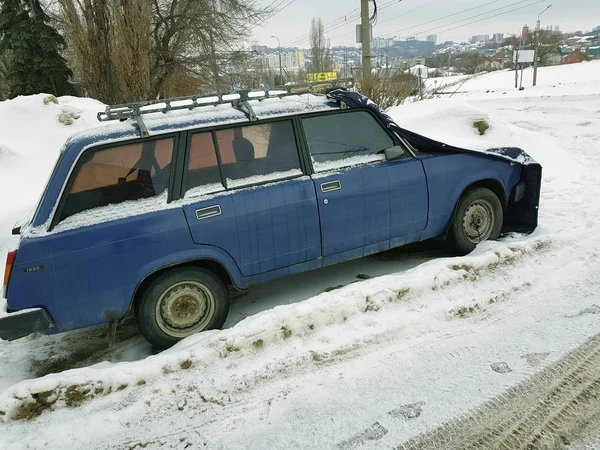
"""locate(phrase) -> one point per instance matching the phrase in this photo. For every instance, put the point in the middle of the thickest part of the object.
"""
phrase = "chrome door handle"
(208, 212)
(331, 186)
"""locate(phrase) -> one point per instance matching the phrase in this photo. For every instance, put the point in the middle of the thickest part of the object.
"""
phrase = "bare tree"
(131, 49)
(4, 69)
(88, 25)
(470, 62)
(321, 54)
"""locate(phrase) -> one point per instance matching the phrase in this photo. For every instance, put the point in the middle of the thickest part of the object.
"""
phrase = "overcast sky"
(408, 18)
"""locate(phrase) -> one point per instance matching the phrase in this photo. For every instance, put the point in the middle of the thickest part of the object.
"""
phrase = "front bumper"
(19, 324)
(521, 214)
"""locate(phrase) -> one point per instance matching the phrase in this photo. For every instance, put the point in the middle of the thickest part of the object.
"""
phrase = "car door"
(364, 200)
(244, 191)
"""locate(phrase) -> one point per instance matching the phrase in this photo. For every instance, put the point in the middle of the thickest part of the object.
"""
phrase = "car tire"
(479, 217)
(179, 303)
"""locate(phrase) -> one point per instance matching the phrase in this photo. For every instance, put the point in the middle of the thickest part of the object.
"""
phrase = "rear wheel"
(478, 218)
(180, 303)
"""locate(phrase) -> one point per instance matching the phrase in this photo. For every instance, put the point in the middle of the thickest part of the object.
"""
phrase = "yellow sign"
(323, 76)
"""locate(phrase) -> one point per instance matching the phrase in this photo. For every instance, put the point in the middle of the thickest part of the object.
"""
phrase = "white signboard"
(525, 56)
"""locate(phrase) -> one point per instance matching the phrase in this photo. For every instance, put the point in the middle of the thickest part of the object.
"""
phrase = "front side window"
(258, 153)
(338, 140)
(117, 174)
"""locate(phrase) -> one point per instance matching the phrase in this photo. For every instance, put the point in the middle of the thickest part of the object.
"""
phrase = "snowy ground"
(369, 365)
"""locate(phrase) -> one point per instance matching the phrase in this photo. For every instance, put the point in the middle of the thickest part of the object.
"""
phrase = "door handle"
(331, 186)
(208, 212)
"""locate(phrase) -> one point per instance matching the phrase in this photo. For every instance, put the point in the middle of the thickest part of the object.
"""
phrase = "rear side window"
(337, 140)
(117, 174)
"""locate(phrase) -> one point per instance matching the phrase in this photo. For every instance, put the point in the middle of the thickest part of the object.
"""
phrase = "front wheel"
(478, 218)
(179, 303)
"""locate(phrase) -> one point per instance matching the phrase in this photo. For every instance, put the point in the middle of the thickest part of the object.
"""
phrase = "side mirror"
(394, 152)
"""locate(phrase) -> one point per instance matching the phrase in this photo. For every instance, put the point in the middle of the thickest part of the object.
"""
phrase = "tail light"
(10, 261)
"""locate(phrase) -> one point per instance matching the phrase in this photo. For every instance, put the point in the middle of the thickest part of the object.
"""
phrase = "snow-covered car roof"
(199, 117)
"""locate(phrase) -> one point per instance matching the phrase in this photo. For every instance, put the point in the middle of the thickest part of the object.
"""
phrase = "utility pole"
(517, 46)
(365, 37)
(280, 68)
(536, 45)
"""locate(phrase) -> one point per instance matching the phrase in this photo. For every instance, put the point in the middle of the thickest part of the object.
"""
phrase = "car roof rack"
(238, 99)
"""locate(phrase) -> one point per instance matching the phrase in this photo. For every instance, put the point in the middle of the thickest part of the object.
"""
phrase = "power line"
(409, 11)
(346, 19)
(448, 16)
(457, 21)
(452, 15)
(434, 20)
(491, 17)
(277, 11)
(343, 19)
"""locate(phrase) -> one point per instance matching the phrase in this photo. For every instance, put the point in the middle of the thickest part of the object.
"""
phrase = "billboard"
(525, 56)
(322, 76)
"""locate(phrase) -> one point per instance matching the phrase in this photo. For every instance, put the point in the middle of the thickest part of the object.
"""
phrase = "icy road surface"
(378, 362)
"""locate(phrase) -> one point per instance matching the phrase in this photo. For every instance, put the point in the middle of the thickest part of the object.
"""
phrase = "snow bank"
(452, 122)
(34, 128)
(577, 79)
(253, 335)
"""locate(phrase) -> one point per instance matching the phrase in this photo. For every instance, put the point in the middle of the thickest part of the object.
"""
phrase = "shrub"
(482, 126)
(389, 92)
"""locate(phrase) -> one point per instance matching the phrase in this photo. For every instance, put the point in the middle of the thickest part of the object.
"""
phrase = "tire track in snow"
(543, 412)
(248, 400)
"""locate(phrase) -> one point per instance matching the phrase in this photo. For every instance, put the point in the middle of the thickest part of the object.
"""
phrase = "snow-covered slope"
(371, 364)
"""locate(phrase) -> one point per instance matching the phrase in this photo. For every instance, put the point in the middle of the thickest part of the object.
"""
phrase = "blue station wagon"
(161, 212)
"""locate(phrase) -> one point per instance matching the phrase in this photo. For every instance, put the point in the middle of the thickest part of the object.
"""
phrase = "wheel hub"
(183, 306)
(478, 221)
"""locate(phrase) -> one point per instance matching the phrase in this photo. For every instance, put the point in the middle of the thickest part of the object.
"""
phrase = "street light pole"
(280, 68)
(536, 45)
(387, 44)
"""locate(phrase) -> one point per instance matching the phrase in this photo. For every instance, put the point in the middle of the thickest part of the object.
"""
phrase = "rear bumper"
(19, 324)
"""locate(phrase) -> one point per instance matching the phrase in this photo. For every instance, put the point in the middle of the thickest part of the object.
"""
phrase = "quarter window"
(337, 140)
(203, 169)
(117, 174)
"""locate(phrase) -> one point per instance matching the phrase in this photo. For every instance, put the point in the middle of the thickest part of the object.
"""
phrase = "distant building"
(389, 72)
(479, 38)
(411, 48)
(525, 32)
(575, 57)
(498, 38)
(552, 58)
(382, 43)
(432, 38)
(260, 48)
(293, 60)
